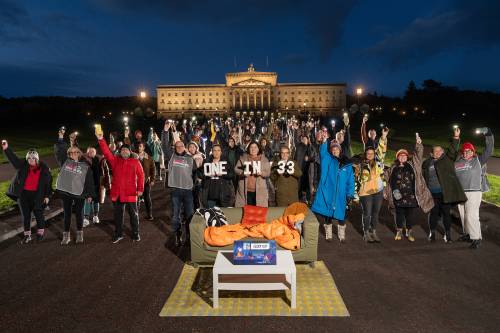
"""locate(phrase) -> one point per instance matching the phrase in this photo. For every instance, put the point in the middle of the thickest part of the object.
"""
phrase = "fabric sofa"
(204, 254)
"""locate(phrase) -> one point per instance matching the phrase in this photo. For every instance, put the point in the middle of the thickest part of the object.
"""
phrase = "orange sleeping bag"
(281, 230)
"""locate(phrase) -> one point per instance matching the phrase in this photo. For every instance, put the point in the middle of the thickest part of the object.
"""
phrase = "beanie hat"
(468, 145)
(195, 144)
(125, 146)
(402, 151)
(335, 143)
(32, 153)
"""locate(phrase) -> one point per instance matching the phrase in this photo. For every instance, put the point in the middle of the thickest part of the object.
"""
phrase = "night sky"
(114, 48)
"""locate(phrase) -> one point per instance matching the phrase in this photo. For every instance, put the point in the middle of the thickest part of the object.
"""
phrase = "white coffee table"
(281, 276)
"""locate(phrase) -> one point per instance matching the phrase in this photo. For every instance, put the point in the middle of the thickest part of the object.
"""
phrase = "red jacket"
(128, 176)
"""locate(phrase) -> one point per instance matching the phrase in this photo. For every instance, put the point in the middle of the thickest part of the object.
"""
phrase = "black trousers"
(407, 214)
(27, 205)
(68, 203)
(371, 208)
(252, 198)
(322, 219)
(146, 195)
(119, 210)
(440, 209)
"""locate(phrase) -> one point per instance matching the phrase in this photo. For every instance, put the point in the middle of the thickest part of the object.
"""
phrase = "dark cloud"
(323, 19)
(16, 25)
(467, 24)
(296, 59)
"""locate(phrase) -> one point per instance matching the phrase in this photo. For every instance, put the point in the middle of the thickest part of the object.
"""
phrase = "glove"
(349, 204)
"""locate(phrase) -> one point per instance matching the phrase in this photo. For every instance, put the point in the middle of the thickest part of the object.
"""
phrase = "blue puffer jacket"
(336, 185)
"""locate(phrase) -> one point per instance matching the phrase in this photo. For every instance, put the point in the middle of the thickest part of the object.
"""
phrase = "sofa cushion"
(253, 215)
(214, 217)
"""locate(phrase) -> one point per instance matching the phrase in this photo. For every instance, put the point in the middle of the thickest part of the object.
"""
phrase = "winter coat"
(422, 193)
(336, 185)
(61, 154)
(286, 185)
(166, 146)
(222, 185)
(128, 175)
(445, 168)
(261, 191)
(370, 181)
(16, 186)
(148, 166)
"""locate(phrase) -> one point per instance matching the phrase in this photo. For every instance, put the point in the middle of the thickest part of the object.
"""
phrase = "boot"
(409, 235)
(341, 232)
(447, 237)
(177, 239)
(184, 235)
(475, 244)
(432, 236)
(374, 236)
(328, 232)
(464, 238)
(399, 234)
(79, 237)
(367, 237)
(66, 238)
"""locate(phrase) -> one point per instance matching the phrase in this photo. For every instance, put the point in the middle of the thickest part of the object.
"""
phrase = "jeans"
(91, 209)
(440, 209)
(407, 214)
(68, 202)
(118, 212)
(27, 205)
(371, 205)
(181, 198)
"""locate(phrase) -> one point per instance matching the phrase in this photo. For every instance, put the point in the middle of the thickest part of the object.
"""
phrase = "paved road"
(393, 286)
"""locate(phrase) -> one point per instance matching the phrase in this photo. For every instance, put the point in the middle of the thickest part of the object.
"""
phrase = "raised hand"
(418, 139)
(385, 131)
(456, 132)
(365, 118)
(61, 133)
(5, 144)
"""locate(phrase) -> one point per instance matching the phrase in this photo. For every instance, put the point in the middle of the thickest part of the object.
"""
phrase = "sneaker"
(432, 236)
(367, 237)
(79, 237)
(136, 238)
(409, 235)
(116, 239)
(328, 232)
(464, 238)
(475, 244)
(399, 234)
(86, 222)
(149, 218)
(95, 219)
(26, 239)
(374, 236)
(177, 239)
(66, 238)
(39, 237)
(447, 237)
(184, 234)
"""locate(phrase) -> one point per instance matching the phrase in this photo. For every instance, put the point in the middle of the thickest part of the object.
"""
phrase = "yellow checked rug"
(317, 295)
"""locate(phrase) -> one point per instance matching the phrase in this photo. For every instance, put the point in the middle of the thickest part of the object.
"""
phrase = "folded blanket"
(281, 230)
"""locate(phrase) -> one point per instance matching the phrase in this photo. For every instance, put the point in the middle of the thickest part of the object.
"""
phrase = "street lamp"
(142, 94)
(359, 92)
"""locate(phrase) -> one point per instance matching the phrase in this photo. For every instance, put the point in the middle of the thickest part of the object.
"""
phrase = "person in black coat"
(217, 187)
(75, 184)
(31, 187)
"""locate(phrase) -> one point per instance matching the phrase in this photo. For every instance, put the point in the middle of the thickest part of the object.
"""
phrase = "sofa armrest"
(310, 232)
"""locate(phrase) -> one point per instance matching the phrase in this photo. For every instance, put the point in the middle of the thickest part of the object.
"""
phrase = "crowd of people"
(254, 161)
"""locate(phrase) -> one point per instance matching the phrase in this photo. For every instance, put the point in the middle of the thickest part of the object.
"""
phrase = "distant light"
(359, 91)
(125, 119)
(143, 94)
(110, 113)
(415, 108)
(455, 126)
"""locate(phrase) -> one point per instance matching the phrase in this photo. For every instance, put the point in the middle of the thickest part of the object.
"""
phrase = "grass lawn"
(7, 203)
(43, 141)
(493, 196)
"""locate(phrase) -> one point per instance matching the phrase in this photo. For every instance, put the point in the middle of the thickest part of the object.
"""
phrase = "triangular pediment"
(250, 82)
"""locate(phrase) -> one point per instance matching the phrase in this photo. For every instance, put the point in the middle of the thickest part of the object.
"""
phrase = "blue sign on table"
(254, 252)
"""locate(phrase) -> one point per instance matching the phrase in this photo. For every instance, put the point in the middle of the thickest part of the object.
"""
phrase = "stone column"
(241, 99)
(262, 98)
(255, 99)
(248, 100)
(269, 99)
(234, 99)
